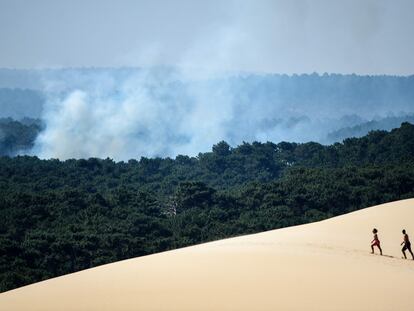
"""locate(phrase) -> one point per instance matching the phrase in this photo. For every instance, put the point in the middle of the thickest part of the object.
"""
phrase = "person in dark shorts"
(375, 241)
(407, 245)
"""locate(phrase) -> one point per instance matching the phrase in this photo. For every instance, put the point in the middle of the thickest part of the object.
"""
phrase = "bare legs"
(379, 247)
(409, 249)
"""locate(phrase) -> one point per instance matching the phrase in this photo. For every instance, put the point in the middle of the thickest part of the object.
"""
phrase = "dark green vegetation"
(18, 136)
(59, 217)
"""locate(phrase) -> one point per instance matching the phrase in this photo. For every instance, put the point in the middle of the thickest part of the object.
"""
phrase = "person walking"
(407, 245)
(375, 242)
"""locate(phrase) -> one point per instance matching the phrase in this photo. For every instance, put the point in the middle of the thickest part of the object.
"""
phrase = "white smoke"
(155, 111)
(145, 115)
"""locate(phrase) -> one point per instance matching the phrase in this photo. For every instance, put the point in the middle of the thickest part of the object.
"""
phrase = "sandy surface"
(320, 266)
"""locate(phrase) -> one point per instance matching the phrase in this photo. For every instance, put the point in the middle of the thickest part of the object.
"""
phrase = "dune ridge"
(325, 265)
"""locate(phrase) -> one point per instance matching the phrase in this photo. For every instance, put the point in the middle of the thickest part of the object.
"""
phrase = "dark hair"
(374, 230)
(403, 231)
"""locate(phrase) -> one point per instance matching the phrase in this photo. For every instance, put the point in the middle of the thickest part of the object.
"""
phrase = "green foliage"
(59, 217)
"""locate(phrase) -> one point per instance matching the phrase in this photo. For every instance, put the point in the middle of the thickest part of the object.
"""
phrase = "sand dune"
(320, 266)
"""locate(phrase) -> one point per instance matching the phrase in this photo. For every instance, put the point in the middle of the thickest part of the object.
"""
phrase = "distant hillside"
(21, 103)
(242, 107)
(330, 90)
(365, 127)
(38, 79)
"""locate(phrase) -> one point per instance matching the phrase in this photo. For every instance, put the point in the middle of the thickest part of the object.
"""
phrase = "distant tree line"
(58, 217)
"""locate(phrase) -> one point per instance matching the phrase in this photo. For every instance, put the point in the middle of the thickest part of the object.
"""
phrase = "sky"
(292, 36)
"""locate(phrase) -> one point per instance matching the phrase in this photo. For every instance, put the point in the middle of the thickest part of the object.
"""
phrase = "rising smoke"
(148, 114)
(166, 112)
(185, 109)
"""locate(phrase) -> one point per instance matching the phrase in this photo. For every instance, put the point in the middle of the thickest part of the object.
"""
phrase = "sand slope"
(319, 266)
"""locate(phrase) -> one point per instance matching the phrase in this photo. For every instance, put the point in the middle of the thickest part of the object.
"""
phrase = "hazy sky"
(361, 36)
